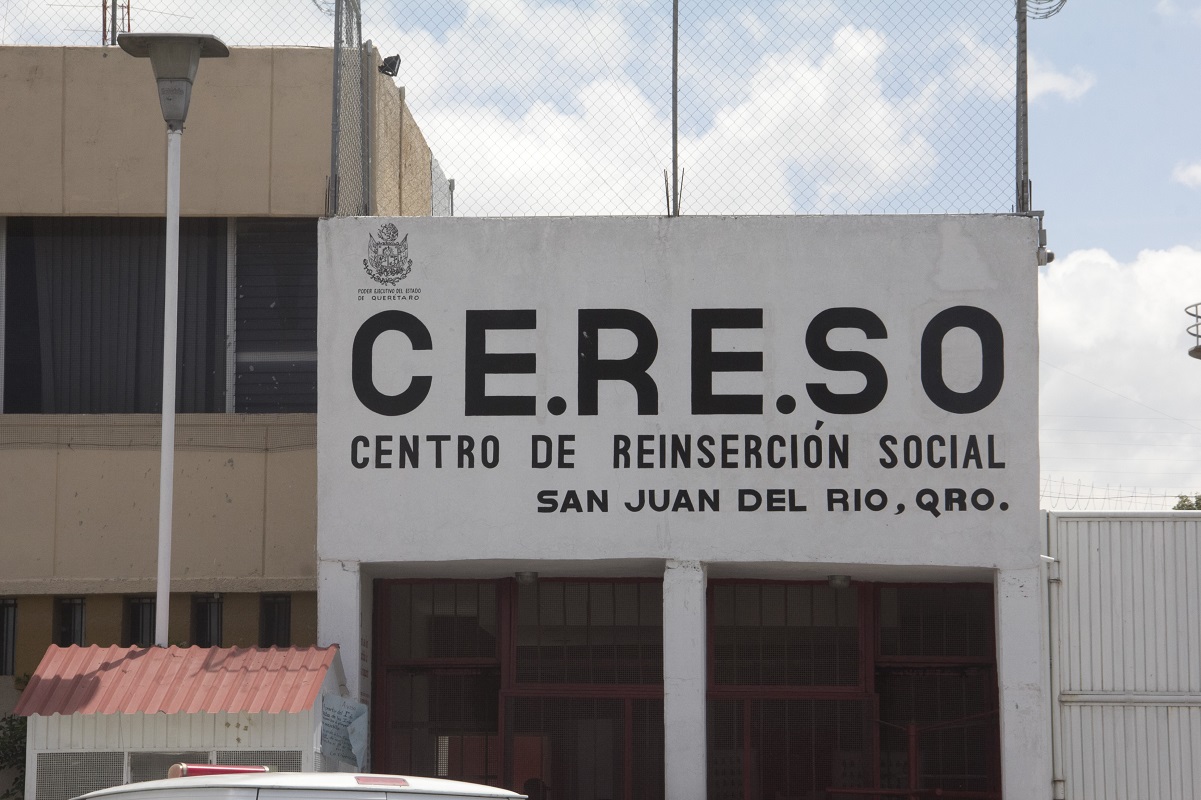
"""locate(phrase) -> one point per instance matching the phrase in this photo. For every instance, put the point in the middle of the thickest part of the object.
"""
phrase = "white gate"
(1125, 616)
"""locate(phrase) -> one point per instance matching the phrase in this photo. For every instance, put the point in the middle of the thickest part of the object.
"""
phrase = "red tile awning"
(176, 680)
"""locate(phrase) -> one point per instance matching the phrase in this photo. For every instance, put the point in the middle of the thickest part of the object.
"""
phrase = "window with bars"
(568, 747)
(68, 621)
(8, 635)
(952, 715)
(438, 645)
(785, 634)
(937, 686)
(936, 621)
(206, 620)
(813, 690)
(772, 747)
(590, 632)
(552, 688)
(138, 622)
(275, 620)
(443, 723)
(444, 620)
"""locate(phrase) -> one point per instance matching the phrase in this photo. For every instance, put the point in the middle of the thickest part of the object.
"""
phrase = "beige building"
(82, 174)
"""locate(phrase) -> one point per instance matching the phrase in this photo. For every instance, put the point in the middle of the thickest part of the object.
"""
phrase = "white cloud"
(828, 118)
(1188, 174)
(1120, 398)
(1172, 9)
(984, 69)
(1044, 79)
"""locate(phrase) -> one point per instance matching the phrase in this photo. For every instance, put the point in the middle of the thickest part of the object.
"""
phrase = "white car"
(222, 785)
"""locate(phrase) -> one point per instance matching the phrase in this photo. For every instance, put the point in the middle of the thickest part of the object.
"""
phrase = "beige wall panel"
(107, 522)
(27, 511)
(301, 105)
(86, 135)
(416, 164)
(290, 548)
(102, 619)
(386, 147)
(239, 619)
(114, 139)
(31, 107)
(218, 517)
(35, 632)
(226, 151)
(304, 619)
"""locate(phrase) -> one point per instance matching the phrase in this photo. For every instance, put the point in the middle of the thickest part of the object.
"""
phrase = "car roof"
(319, 781)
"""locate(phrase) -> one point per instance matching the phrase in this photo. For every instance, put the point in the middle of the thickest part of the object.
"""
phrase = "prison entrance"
(554, 688)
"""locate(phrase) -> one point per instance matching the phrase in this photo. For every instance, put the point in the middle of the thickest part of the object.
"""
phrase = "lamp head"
(174, 58)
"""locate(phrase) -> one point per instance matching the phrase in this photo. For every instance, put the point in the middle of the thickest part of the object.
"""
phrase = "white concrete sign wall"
(843, 389)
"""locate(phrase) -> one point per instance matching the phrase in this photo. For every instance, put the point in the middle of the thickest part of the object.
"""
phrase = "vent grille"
(278, 760)
(153, 766)
(61, 776)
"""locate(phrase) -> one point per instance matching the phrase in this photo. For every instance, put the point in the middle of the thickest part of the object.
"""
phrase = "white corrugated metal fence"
(1125, 606)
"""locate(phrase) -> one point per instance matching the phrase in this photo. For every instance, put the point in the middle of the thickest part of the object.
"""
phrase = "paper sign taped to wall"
(344, 730)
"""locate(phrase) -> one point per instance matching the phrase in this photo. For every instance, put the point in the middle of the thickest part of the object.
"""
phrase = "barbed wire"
(1065, 494)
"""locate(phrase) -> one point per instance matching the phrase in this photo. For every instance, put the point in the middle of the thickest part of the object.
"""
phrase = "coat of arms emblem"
(389, 260)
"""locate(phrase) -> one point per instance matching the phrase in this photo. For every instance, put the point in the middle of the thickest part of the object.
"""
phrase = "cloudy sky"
(1116, 163)
(847, 118)
(562, 107)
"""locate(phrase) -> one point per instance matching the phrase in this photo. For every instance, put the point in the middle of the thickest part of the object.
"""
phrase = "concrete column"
(685, 766)
(339, 608)
(1024, 683)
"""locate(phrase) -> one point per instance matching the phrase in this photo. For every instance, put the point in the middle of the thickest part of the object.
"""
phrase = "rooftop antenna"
(111, 12)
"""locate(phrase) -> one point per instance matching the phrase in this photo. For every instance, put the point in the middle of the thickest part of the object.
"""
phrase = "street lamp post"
(174, 58)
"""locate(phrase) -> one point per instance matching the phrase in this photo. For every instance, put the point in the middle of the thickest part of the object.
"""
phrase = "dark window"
(275, 620)
(84, 315)
(206, 620)
(774, 747)
(924, 622)
(590, 632)
(276, 315)
(785, 634)
(8, 634)
(441, 621)
(443, 723)
(823, 692)
(139, 622)
(952, 714)
(68, 621)
(574, 665)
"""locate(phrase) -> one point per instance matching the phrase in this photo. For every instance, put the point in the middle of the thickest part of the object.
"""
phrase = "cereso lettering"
(705, 361)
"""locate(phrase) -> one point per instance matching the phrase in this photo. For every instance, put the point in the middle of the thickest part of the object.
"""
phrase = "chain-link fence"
(569, 106)
(348, 183)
